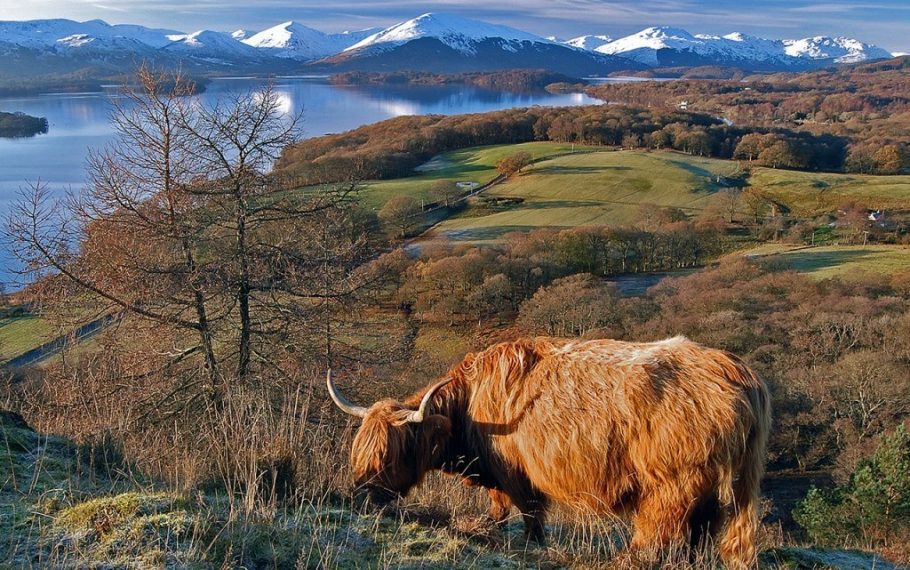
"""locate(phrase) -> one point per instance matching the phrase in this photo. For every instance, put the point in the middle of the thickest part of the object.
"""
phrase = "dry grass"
(260, 480)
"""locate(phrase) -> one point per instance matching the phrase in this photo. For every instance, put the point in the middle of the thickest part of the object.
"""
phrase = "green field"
(603, 188)
(476, 164)
(810, 193)
(844, 261)
(22, 333)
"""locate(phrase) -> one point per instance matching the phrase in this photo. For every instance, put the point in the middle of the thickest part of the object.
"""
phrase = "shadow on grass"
(810, 261)
(451, 171)
(692, 169)
(550, 204)
(490, 233)
(559, 170)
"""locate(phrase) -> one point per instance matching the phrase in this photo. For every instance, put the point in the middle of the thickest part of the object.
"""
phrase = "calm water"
(79, 122)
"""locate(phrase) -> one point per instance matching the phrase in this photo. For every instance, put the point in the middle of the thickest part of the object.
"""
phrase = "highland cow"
(670, 432)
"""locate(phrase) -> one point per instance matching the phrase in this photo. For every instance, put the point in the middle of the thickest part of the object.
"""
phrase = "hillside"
(476, 165)
(836, 261)
(214, 443)
(602, 188)
(812, 193)
(595, 186)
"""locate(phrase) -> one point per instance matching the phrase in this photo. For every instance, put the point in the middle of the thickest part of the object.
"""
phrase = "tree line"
(393, 148)
(451, 283)
(517, 80)
(865, 105)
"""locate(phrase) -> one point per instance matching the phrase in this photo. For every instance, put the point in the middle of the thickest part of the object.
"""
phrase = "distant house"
(683, 105)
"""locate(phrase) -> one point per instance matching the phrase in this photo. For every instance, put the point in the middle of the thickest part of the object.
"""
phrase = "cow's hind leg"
(660, 521)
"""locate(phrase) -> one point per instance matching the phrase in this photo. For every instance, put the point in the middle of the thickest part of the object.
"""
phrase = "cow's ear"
(438, 424)
(436, 429)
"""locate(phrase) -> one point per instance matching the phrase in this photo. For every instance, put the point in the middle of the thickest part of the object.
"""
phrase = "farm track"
(57, 345)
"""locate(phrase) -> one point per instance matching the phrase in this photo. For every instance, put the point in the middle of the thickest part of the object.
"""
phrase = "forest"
(864, 104)
(393, 148)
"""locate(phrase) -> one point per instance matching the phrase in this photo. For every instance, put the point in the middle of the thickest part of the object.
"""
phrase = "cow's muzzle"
(371, 497)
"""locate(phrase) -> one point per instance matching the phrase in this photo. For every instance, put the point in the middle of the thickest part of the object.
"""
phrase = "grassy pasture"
(844, 261)
(811, 193)
(605, 188)
(476, 164)
(21, 333)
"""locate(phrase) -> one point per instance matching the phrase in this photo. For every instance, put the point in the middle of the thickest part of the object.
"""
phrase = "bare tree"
(401, 214)
(514, 163)
(183, 228)
(444, 192)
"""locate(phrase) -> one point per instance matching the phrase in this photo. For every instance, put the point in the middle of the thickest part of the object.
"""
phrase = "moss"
(129, 529)
(108, 512)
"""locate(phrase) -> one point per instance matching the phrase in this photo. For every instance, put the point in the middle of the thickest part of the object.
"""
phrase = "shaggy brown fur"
(670, 432)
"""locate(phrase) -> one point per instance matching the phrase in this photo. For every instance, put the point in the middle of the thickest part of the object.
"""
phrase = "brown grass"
(260, 479)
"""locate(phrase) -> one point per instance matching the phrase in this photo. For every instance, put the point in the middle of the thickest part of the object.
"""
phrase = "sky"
(882, 22)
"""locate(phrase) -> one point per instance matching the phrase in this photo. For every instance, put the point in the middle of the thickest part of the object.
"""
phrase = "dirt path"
(55, 346)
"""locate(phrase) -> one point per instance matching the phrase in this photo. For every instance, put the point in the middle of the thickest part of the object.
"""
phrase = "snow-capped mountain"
(444, 43)
(432, 42)
(461, 34)
(296, 41)
(840, 49)
(590, 42)
(38, 34)
(668, 46)
(211, 45)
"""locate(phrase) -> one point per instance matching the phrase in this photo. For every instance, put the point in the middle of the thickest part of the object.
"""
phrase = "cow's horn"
(419, 415)
(341, 401)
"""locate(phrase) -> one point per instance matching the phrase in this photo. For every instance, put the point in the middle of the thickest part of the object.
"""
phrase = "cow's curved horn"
(418, 416)
(342, 402)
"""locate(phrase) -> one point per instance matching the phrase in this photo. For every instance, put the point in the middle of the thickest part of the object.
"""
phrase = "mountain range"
(431, 42)
(668, 47)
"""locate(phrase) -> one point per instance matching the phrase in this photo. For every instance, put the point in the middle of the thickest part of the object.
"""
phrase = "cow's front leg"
(500, 503)
(533, 508)
(500, 506)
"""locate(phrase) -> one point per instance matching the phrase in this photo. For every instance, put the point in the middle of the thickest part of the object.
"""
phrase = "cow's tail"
(738, 544)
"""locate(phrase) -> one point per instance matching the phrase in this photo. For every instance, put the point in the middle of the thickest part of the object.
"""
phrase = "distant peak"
(458, 32)
(666, 31)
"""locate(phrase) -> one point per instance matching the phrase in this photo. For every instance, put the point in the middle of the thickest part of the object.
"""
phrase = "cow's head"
(395, 446)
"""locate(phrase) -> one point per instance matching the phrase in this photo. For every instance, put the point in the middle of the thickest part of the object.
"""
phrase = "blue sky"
(883, 22)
